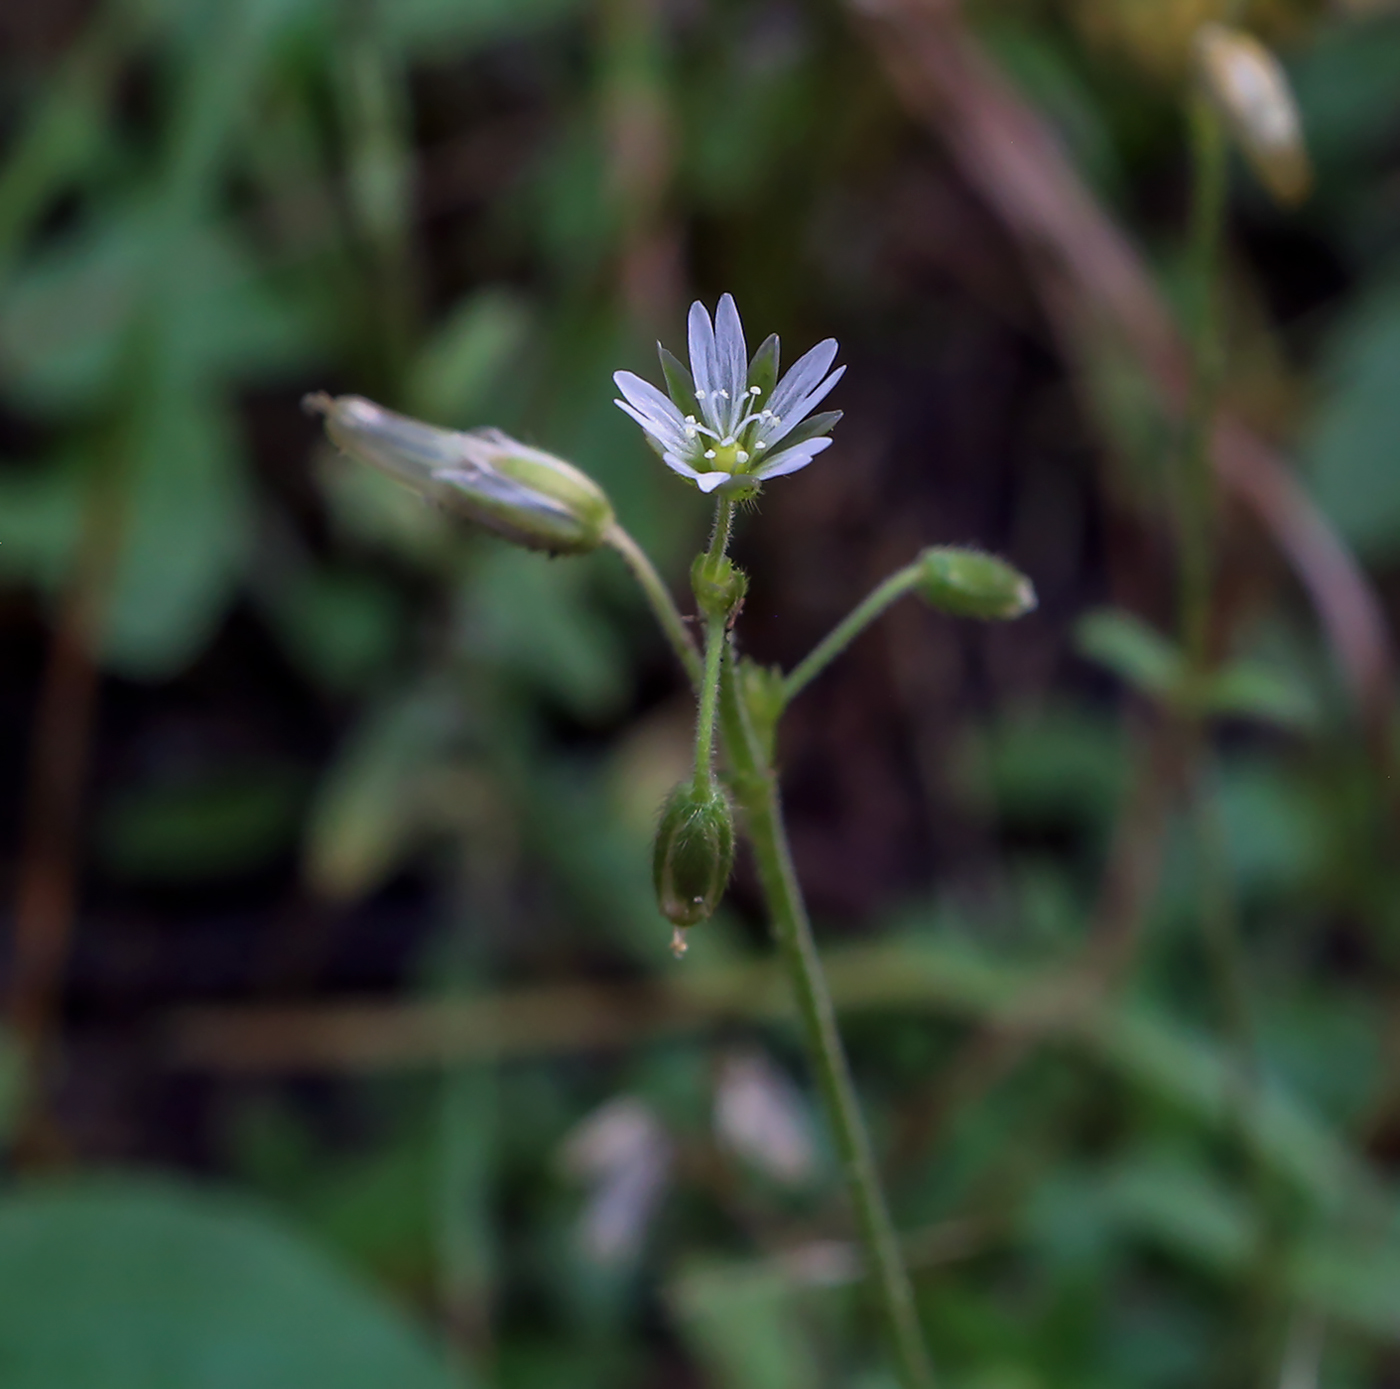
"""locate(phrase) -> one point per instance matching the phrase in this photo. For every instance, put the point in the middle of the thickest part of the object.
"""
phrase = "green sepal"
(1139, 654)
(719, 585)
(763, 369)
(680, 385)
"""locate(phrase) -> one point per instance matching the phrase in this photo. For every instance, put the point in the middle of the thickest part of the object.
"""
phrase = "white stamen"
(690, 419)
(723, 392)
(699, 395)
(755, 390)
(762, 444)
(690, 431)
(742, 456)
(709, 453)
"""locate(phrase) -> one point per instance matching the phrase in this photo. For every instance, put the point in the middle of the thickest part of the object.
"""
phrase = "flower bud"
(1250, 89)
(719, 585)
(968, 583)
(521, 493)
(694, 853)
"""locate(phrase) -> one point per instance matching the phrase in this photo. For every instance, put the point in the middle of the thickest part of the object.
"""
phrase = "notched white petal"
(703, 364)
(732, 357)
(802, 377)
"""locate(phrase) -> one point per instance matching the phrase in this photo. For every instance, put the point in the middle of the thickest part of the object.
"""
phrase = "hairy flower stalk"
(728, 424)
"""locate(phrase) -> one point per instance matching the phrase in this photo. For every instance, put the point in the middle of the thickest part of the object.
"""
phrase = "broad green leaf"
(126, 1284)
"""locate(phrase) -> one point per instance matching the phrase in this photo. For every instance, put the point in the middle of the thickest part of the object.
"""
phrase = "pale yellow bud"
(1248, 86)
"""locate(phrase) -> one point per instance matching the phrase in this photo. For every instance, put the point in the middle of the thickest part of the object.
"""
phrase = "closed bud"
(719, 585)
(1250, 89)
(968, 583)
(521, 493)
(694, 853)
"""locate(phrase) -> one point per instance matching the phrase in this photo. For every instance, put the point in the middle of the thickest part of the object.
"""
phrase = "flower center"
(727, 456)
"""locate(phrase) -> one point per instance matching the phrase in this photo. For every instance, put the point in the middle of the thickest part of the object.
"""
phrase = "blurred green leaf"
(532, 616)
(742, 1323)
(40, 512)
(1352, 447)
(227, 822)
(447, 29)
(450, 381)
(369, 812)
(185, 535)
(341, 626)
(1247, 689)
(1136, 652)
(122, 1284)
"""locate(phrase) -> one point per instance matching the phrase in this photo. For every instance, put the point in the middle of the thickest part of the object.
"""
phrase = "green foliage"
(116, 1284)
(474, 211)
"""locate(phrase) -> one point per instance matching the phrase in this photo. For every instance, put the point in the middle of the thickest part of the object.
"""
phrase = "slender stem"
(755, 786)
(1197, 493)
(848, 629)
(663, 606)
(724, 525)
(709, 700)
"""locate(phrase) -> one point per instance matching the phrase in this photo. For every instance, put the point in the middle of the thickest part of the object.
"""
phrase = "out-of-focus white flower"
(1250, 88)
(622, 1153)
(729, 422)
(761, 1116)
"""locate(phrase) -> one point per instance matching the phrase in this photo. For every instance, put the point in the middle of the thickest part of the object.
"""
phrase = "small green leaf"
(1139, 654)
(1246, 689)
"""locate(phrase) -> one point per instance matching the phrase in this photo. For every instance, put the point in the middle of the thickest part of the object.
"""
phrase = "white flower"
(729, 422)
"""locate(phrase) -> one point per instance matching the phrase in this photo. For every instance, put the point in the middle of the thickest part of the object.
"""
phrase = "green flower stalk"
(522, 494)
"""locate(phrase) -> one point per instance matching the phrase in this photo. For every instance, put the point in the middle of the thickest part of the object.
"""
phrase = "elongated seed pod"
(968, 583)
(694, 854)
(522, 494)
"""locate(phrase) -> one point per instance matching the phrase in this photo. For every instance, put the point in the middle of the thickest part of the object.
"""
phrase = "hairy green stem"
(659, 598)
(850, 627)
(709, 700)
(756, 789)
(724, 525)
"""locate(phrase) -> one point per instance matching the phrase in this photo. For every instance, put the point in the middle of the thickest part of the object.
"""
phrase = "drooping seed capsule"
(968, 583)
(1250, 89)
(522, 494)
(694, 853)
